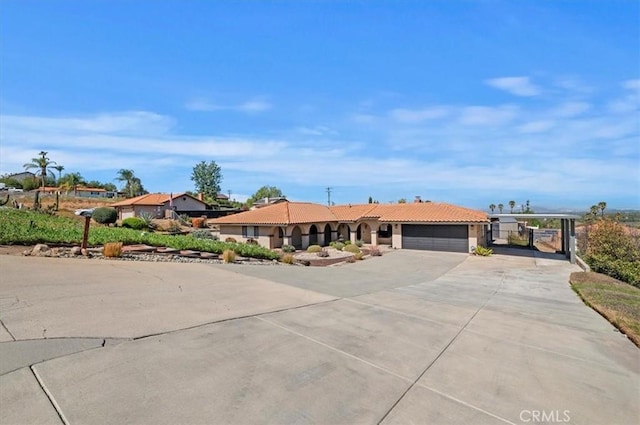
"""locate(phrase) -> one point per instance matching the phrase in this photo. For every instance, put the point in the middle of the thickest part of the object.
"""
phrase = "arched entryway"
(327, 234)
(313, 235)
(278, 238)
(296, 237)
(363, 233)
(344, 232)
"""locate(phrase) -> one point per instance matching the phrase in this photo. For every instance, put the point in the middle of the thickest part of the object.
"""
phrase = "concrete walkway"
(411, 337)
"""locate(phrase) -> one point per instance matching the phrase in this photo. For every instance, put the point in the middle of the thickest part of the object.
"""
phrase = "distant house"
(81, 191)
(222, 197)
(25, 175)
(263, 202)
(158, 205)
(426, 225)
(504, 227)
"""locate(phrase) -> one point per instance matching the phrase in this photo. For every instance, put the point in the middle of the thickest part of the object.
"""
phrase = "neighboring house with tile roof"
(427, 225)
(158, 205)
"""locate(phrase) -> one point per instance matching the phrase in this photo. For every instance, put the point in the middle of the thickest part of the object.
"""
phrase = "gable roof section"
(429, 212)
(303, 212)
(152, 199)
(283, 213)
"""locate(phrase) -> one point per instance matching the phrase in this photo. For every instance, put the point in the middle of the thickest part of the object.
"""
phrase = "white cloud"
(631, 84)
(417, 115)
(570, 109)
(249, 106)
(536, 126)
(519, 86)
(488, 115)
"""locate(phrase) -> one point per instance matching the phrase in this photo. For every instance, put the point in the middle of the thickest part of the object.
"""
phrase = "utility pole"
(229, 192)
(329, 196)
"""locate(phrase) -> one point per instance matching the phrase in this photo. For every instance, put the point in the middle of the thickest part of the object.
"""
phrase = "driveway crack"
(52, 400)
(446, 347)
(7, 329)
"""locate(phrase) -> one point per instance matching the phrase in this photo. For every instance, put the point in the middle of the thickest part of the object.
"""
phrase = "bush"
(359, 256)
(359, 243)
(323, 253)
(339, 246)
(375, 252)
(228, 256)
(332, 244)
(351, 248)
(611, 250)
(230, 240)
(174, 227)
(347, 242)
(314, 248)
(112, 249)
(287, 259)
(198, 223)
(147, 218)
(134, 223)
(482, 251)
(203, 234)
(105, 215)
(288, 248)
(252, 241)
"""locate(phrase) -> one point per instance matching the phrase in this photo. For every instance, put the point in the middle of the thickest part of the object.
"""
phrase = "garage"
(436, 237)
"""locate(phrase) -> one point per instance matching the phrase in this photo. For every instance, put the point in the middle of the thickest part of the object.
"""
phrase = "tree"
(42, 163)
(265, 192)
(511, 205)
(402, 201)
(71, 181)
(133, 185)
(59, 169)
(207, 178)
(602, 205)
(500, 207)
(594, 210)
(492, 207)
(370, 200)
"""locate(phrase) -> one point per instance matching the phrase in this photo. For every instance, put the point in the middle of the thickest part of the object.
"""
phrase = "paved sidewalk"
(410, 337)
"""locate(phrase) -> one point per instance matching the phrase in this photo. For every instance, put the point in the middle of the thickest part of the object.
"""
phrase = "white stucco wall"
(186, 203)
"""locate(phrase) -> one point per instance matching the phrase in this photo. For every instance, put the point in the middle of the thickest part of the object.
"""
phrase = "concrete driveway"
(411, 337)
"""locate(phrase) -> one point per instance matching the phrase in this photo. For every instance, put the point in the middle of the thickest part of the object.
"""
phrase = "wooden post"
(85, 235)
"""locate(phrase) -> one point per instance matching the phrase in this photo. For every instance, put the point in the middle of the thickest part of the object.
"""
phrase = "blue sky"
(468, 102)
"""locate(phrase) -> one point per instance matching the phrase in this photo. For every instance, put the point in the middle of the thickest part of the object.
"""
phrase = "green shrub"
(230, 240)
(105, 215)
(314, 248)
(359, 243)
(288, 248)
(134, 223)
(611, 250)
(482, 251)
(347, 242)
(147, 218)
(339, 246)
(332, 244)
(203, 234)
(351, 248)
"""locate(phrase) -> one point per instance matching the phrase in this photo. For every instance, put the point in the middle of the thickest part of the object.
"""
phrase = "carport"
(567, 227)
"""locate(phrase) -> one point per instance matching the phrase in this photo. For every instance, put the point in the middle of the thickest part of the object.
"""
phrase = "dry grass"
(287, 259)
(617, 301)
(228, 256)
(112, 250)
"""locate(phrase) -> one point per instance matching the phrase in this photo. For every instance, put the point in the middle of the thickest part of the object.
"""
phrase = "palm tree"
(492, 207)
(511, 205)
(128, 177)
(71, 182)
(59, 169)
(594, 210)
(602, 205)
(41, 163)
(500, 207)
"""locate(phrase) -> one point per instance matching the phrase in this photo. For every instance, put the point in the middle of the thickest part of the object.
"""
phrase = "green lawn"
(617, 301)
(22, 227)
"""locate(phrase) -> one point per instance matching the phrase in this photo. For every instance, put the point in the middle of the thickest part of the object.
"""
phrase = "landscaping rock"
(76, 250)
(39, 249)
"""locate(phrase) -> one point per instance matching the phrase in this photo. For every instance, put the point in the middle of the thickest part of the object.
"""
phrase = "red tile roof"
(303, 212)
(148, 199)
